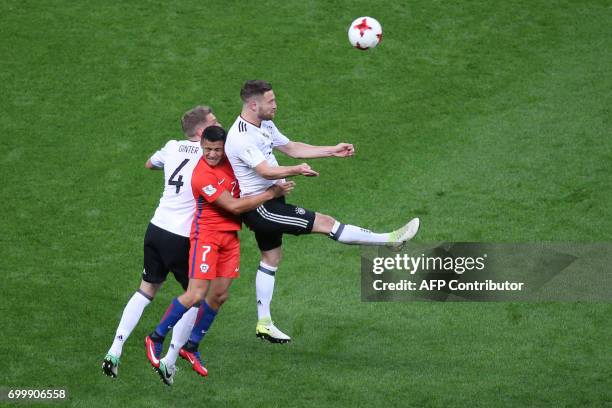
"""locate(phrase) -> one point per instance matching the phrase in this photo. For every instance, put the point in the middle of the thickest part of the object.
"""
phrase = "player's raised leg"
(354, 235)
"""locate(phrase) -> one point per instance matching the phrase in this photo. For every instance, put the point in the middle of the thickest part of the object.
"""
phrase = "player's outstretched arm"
(280, 172)
(299, 150)
(243, 204)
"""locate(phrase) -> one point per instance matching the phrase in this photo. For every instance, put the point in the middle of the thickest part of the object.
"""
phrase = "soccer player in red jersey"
(214, 259)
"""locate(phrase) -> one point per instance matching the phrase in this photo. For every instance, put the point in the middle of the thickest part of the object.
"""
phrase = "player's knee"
(195, 293)
(149, 289)
(271, 258)
(323, 224)
(200, 294)
(187, 299)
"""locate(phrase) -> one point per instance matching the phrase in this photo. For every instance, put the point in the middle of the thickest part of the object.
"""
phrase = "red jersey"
(207, 184)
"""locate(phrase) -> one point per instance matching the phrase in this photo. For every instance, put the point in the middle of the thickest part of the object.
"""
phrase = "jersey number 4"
(179, 181)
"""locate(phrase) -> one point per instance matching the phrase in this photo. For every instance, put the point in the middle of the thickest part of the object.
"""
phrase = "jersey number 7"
(179, 181)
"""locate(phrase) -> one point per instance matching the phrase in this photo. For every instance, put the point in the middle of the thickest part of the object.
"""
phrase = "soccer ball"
(365, 33)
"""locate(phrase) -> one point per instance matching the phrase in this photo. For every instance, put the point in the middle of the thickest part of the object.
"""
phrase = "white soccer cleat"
(266, 330)
(110, 366)
(166, 372)
(398, 237)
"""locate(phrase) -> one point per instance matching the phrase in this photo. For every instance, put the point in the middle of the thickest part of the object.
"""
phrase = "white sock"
(180, 335)
(350, 234)
(131, 315)
(264, 287)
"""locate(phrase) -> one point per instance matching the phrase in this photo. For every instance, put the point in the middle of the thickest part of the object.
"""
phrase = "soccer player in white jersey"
(166, 241)
(249, 148)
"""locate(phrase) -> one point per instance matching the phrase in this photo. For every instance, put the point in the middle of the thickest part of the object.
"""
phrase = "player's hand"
(305, 170)
(284, 188)
(343, 150)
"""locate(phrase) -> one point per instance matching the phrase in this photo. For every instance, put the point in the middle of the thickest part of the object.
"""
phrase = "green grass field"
(489, 120)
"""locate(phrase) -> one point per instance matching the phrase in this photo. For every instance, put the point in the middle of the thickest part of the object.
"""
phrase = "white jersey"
(176, 206)
(247, 146)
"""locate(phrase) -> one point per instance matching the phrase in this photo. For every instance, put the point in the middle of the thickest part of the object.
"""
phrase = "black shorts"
(274, 218)
(165, 252)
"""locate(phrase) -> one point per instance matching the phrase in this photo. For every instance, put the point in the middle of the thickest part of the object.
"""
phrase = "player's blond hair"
(194, 118)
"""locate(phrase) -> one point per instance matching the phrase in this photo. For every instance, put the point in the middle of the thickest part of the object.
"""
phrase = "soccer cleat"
(154, 351)
(266, 330)
(398, 237)
(194, 359)
(166, 372)
(110, 365)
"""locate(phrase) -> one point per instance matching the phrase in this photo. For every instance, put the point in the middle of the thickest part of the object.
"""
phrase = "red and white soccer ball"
(365, 33)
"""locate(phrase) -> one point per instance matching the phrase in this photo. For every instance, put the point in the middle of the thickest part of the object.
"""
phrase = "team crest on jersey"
(300, 211)
(204, 268)
(209, 190)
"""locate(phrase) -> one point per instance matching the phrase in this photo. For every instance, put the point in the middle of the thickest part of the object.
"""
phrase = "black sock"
(191, 347)
(156, 337)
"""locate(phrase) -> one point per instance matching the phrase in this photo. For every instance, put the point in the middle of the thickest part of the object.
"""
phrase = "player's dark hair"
(194, 118)
(254, 88)
(214, 134)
